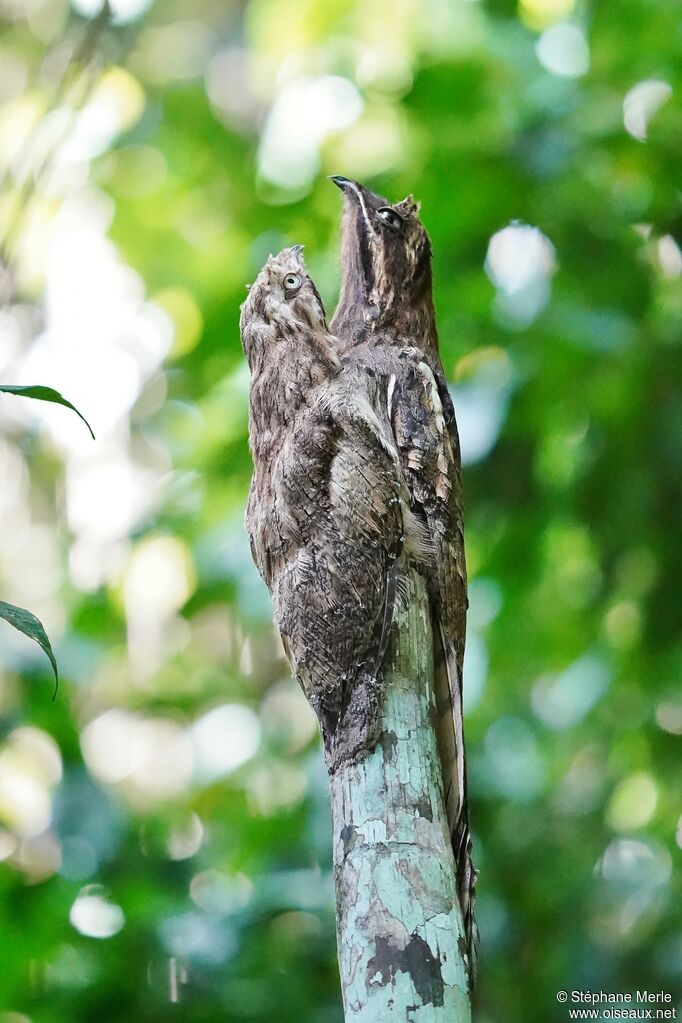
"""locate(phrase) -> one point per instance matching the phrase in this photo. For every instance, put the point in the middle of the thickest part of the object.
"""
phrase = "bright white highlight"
(150, 757)
(669, 257)
(102, 339)
(562, 50)
(94, 916)
(30, 765)
(304, 113)
(520, 263)
(641, 103)
(122, 11)
(224, 739)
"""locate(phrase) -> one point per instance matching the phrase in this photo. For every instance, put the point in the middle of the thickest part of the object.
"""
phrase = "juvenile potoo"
(327, 515)
(386, 305)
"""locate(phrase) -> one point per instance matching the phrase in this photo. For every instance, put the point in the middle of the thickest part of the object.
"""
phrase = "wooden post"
(399, 926)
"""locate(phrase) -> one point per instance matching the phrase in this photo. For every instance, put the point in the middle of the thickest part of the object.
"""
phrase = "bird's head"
(386, 250)
(283, 325)
(284, 295)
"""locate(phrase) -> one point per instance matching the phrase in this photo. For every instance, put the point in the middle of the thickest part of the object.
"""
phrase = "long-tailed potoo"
(328, 512)
(386, 305)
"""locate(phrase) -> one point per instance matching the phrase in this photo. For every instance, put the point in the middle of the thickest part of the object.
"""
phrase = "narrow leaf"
(32, 627)
(44, 394)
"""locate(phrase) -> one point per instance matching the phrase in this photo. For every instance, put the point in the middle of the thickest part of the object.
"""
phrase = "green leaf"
(32, 627)
(44, 394)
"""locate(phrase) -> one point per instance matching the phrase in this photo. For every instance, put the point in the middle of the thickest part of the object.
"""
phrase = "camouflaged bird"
(385, 307)
(328, 512)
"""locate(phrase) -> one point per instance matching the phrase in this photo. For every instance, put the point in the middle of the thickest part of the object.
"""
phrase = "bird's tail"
(451, 750)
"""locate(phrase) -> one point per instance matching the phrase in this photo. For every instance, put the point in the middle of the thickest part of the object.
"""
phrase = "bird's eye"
(390, 217)
(292, 282)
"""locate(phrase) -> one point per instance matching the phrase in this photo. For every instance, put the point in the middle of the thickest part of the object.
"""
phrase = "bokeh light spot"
(185, 840)
(669, 716)
(623, 625)
(304, 113)
(122, 11)
(224, 739)
(514, 762)
(538, 14)
(150, 757)
(633, 803)
(641, 103)
(520, 262)
(669, 257)
(93, 915)
(186, 318)
(563, 700)
(563, 51)
(481, 397)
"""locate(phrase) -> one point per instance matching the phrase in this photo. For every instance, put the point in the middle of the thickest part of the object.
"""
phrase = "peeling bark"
(399, 926)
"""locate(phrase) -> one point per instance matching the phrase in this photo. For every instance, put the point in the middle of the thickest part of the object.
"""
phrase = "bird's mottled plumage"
(386, 307)
(328, 516)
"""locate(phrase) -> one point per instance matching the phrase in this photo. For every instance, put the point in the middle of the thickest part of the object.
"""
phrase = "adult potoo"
(328, 512)
(386, 305)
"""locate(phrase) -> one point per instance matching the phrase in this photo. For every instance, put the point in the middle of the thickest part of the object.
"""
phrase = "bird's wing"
(431, 465)
(335, 592)
(368, 498)
(426, 438)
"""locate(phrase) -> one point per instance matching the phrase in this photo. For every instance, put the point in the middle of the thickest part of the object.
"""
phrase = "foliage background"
(165, 831)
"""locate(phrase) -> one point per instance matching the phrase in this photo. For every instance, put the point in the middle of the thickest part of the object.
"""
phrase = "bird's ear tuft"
(297, 249)
(409, 206)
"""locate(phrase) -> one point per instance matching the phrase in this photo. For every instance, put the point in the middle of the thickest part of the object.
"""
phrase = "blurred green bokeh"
(164, 827)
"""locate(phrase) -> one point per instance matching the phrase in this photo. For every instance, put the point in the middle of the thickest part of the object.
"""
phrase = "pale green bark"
(398, 921)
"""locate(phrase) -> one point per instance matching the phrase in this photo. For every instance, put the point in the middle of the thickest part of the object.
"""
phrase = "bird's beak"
(357, 196)
(345, 184)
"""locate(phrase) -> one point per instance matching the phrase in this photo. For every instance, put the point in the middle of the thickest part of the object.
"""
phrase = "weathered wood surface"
(399, 927)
